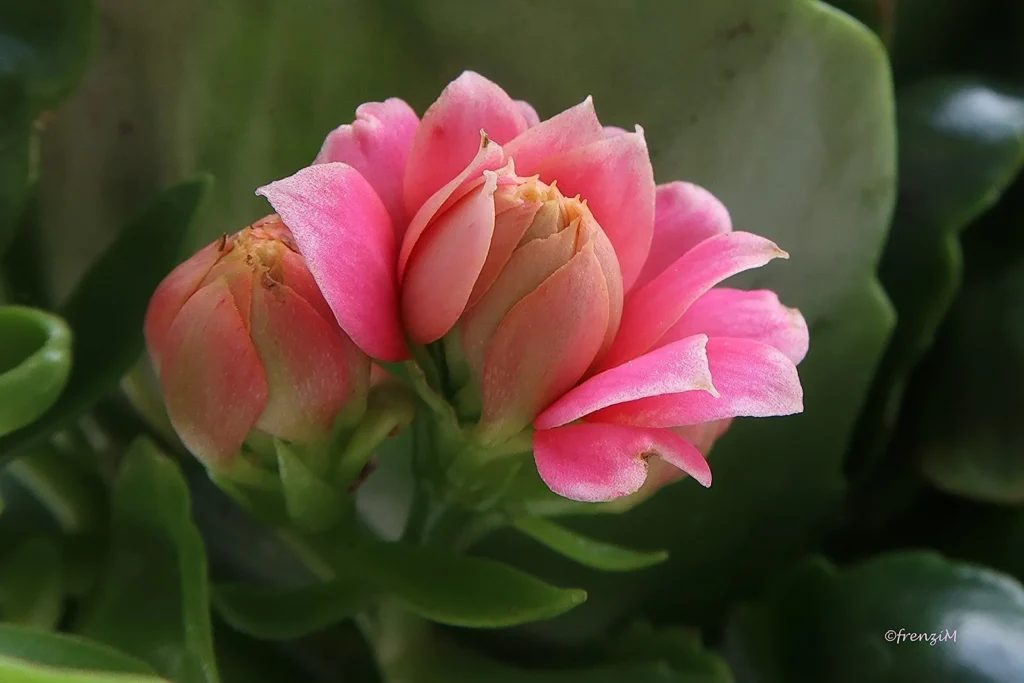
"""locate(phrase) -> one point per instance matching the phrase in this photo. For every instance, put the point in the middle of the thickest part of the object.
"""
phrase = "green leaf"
(154, 599)
(728, 94)
(107, 309)
(272, 613)
(961, 144)
(31, 585)
(74, 493)
(878, 15)
(312, 504)
(64, 651)
(586, 551)
(15, 132)
(15, 671)
(446, 587)
(46, 43)
(855, 626)
(35, 361)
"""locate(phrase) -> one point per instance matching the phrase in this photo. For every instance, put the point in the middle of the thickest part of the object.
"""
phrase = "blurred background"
(878, 141)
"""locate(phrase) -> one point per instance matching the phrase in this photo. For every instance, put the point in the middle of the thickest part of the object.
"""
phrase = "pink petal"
(654, 308)
(704, 435)
(685, 215)
(449, 135)
(753, 379)
(489, 157)
(543, 347)
(528, 112)
(680, 366)
(574, 127)
(509, 227)
(212, 379)
(615, 177)
(312, 368)
(344, 233)
(171, 295)
(377, 145)
(613, 131)
(593, 463)
(446, 263)
(526, 270)
(736, 313)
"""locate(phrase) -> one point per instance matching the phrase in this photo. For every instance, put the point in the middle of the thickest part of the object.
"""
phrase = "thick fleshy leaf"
(270, 613)
(684, 216)
(153, 600)
(615, 178)
(213, 380)
(908, 616)
(752, 378)
(736, 313)
(35, 361)
(449, 135)
(377, 145)
(344, 233)
(599, 462)
(65, 651)
(31, 584)
(528, 364)
(18, 671)
(586, 551)
(675, 368)
(107, 309)
(445, 264)
(653, 309)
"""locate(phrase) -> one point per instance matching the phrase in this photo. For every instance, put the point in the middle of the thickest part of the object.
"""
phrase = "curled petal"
(528, 112)
(677, 367)
(449, 135)
(509, 227)
(651, 310)
(543, 347)
(757, 315)
(615, 177)
(377, 145)
(344, 233)
(600, 462)
(172, 294)
(575, 127)
(753, 379)
(312, 368)
(212, 379)
(446, 263)
(684, 216)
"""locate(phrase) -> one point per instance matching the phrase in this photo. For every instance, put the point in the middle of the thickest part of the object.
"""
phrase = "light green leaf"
(312, 504)
(16, 671)
(35, 361)
(64, 651)
(876, 621)
(272, 613)
(31, 585)
(107, 309)
(586, 551)
(154, 599)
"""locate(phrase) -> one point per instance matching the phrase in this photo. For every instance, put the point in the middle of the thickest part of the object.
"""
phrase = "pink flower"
(242, 339)
(580, 297)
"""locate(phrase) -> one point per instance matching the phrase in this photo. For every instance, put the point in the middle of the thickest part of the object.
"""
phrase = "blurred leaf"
(273, 613)
(585, 550)
(107, 309)
(15, 129)
(243, 660)
(64, 651)
(728, 94)
(16, 671)
(154, 600)
(878, 15)
(817, 624)
(35, 360)
(446, 587)
(961, 144)
(74, 494)
(31, 585)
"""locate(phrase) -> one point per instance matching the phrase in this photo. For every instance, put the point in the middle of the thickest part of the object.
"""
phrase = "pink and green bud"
(243, 341)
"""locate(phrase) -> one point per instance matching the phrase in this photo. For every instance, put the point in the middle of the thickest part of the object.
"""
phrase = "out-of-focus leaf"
(17, 671)
(15, 127)
(273, 613)
(154, 599)
(64, 651)
(855, 625)
(75, 495)
(878, 15)
(31, 585)
(961, 144)
(107, 309)
(586, 551)
(35, 361)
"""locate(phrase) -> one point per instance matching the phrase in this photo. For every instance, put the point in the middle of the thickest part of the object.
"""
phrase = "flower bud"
(243, 340)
